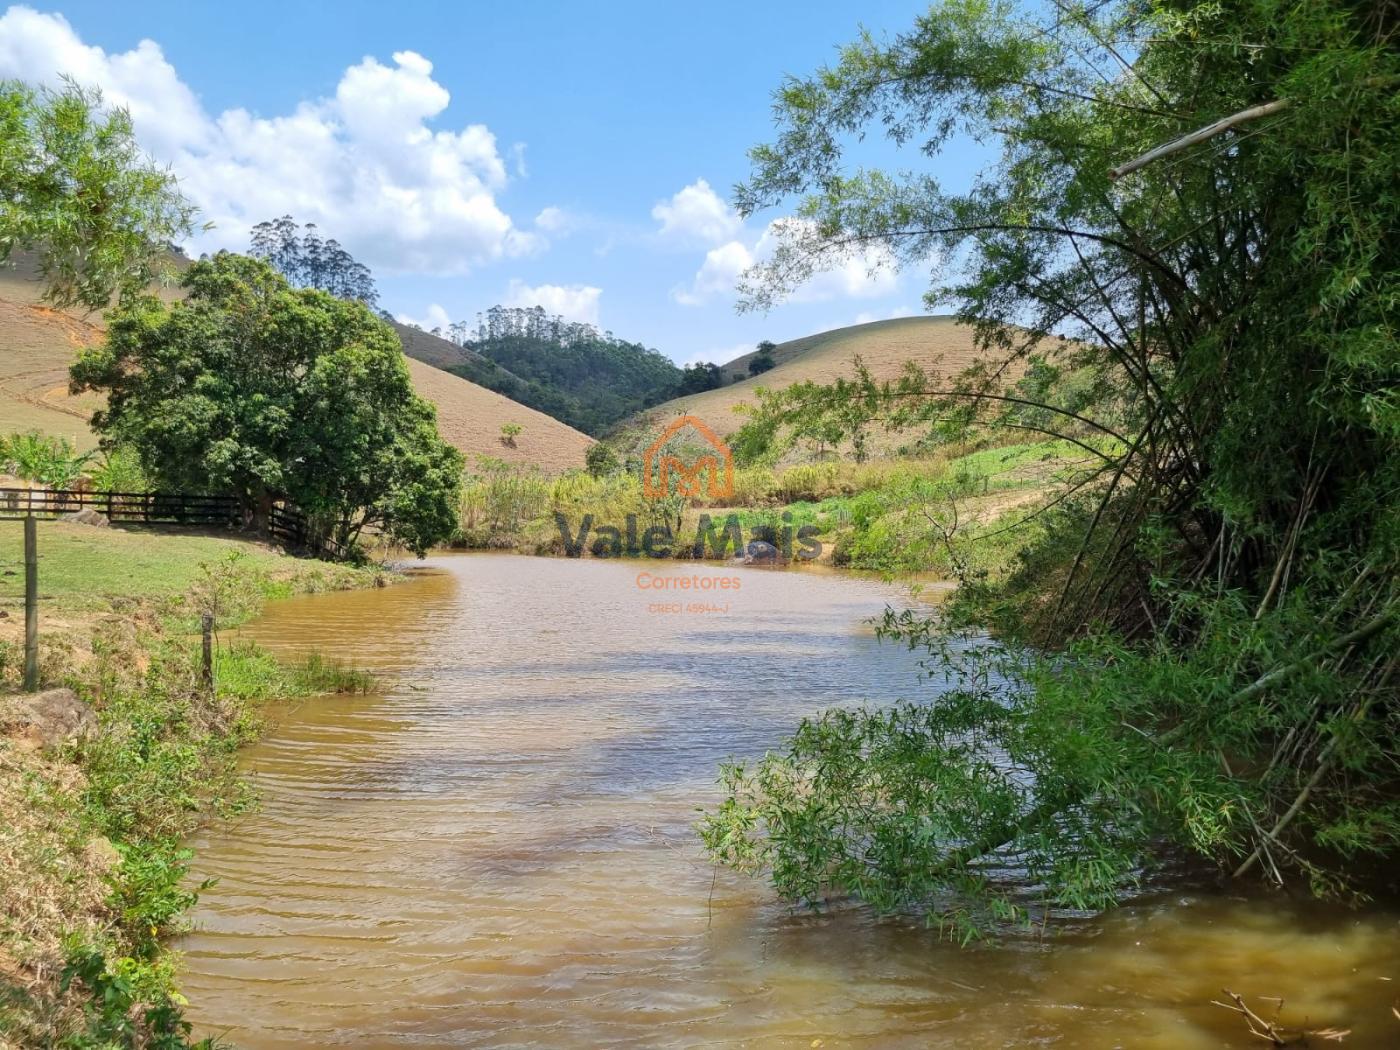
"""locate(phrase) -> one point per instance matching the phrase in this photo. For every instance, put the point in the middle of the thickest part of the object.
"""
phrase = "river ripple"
(498, 850)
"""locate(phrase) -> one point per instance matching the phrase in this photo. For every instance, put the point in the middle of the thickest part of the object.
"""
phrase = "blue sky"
(578, 155)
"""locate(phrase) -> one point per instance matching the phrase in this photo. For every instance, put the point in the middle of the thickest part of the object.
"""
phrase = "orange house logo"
(717, 465)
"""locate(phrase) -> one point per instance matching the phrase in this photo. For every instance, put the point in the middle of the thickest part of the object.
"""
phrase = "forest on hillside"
(587, 378)
(580, 375)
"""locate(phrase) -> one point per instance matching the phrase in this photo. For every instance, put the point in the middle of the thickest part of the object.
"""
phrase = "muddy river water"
(497, 849)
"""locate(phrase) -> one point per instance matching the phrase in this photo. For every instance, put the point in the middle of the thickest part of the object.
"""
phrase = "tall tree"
(699, 377)
(76, 189)
(306, 260)
(1203, 197)
(252, 387)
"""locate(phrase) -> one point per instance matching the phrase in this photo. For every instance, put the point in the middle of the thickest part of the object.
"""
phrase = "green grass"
(86, 569)
(1025, 465)
(872, 516)
(92, 933)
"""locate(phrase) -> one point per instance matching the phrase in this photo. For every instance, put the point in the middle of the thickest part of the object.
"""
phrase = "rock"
(101, 854)
(759, 552)
(49, 718)
(87, 516)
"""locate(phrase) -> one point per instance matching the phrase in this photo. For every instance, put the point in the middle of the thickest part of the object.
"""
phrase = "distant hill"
(581, 376)
(430, 349)
(37, 344)
(933, 343)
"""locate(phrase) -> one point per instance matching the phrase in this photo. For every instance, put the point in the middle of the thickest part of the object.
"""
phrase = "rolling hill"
(38, 343)
(936, 343)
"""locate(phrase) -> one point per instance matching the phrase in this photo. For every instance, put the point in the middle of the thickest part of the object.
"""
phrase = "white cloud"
(717, 274)
(573, 302)
(437, 317)
(696, 215)
(865, 274)
(555, 220)
(363, 165)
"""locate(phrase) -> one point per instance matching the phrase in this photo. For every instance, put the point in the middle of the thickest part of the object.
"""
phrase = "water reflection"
(499, 851)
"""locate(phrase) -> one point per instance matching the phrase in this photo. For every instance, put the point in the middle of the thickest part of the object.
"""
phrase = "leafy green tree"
(1201, 633)
(601, 460)
(252, 387)
(76, 189)
(763, 360)
(697, 378)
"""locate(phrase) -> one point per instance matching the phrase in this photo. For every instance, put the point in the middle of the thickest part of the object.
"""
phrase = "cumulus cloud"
(365, 165)
(696, 215)
(437, 317)
(555, 220)
(864, 274)
(573, 302)
(717, 274)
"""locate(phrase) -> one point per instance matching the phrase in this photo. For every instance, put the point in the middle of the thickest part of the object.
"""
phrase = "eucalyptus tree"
(308, 260)
(1194, 205)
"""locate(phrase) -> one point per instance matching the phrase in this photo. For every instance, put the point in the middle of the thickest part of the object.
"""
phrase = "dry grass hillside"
(430, 349)
(470, 417)
(38, 343)
(933, 343)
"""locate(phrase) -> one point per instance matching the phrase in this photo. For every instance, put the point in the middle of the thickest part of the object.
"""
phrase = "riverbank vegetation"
(877, 515)
(1196, 646)
(101, 785)
(131, 742)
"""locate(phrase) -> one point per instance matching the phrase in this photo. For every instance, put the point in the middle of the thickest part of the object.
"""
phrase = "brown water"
(497, 851)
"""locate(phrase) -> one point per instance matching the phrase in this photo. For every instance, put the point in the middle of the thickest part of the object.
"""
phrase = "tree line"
(573, 371)
(307, 260)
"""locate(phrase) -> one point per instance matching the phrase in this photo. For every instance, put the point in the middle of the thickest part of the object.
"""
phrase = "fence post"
(31, 605)
(206, 626)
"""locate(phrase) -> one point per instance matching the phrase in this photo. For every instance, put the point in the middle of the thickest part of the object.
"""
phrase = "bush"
(48, 460)
(119, 471)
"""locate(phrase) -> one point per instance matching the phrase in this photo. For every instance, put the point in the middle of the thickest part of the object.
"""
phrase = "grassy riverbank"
(905, 515)
(91, 861)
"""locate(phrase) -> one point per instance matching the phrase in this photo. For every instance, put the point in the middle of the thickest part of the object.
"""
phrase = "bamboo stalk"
(1198, 136)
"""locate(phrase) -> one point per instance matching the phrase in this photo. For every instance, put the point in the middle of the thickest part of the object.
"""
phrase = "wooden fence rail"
(285, 524)
(152, 508)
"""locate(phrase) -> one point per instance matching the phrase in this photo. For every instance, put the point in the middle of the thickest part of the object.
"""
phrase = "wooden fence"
(144, 508)
(286, 524)
(290, 527)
